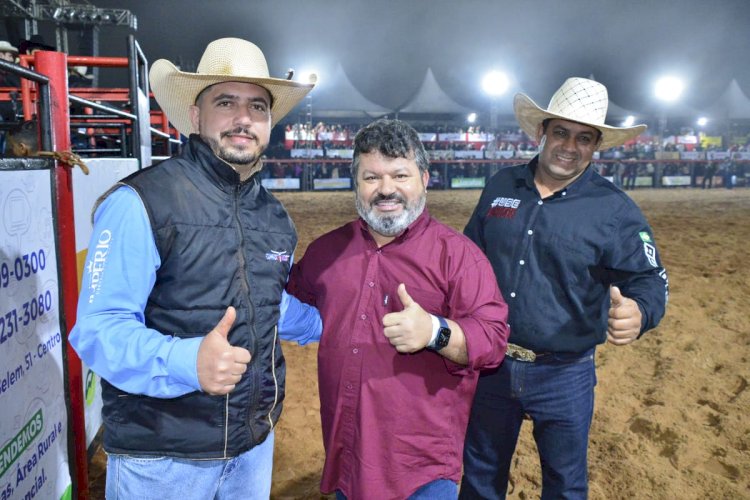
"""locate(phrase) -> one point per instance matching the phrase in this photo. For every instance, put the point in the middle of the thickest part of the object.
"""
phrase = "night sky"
(386, 46)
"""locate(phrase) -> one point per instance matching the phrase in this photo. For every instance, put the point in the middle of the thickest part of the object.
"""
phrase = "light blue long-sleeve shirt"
(110, 335)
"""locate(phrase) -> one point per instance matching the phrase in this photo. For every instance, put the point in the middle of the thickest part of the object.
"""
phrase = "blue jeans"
(439, 489)
(557, 393)
(247, 476)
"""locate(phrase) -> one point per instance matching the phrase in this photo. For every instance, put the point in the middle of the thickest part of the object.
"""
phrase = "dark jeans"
(557, 392)
(439, 489)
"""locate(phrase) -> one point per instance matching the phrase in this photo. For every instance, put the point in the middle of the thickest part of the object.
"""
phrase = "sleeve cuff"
(182, 364)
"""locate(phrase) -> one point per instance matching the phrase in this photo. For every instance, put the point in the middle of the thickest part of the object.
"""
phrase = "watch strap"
(443, 335)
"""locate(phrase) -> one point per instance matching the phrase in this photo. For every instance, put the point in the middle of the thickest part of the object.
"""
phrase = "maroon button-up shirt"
(394, 422)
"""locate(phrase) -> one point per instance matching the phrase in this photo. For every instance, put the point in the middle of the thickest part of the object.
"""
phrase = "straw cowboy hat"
(578, 100)
(224, 60)
(7, 47)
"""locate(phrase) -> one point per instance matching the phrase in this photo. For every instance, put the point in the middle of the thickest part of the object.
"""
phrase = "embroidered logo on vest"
(282, 256)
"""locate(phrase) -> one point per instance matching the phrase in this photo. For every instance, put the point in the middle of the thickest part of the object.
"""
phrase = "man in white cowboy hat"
(576, 261)
(182, 302)
(7, 51)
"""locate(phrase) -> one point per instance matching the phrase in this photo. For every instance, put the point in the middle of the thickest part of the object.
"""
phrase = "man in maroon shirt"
(411, 313)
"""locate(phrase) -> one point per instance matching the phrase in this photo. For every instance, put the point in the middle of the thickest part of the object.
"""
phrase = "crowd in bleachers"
(473, 153)
(324, 137)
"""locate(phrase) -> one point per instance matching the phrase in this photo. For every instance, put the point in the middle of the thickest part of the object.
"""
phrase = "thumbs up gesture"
(221, 365)
(624, 322)
(411, 329)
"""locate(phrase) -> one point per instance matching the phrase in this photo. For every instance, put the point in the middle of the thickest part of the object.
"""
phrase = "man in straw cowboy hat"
(182, 302)
(576, 261)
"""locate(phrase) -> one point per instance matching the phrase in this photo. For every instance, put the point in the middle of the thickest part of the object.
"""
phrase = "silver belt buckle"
(519, 353)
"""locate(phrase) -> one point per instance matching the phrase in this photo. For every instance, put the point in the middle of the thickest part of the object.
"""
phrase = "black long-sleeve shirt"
(555, 258)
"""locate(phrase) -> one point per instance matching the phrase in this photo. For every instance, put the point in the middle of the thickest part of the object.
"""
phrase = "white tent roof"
(336, 97)
(732, 104)
(617, 113)
(430, 98)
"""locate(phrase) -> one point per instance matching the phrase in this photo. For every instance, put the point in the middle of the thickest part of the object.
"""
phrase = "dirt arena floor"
(671, 410)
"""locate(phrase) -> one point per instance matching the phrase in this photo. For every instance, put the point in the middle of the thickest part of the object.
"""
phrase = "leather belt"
(522, 354)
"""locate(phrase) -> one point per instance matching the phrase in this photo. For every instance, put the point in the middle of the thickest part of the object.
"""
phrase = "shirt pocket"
(570, 267)
(569, 257)
(432, 301)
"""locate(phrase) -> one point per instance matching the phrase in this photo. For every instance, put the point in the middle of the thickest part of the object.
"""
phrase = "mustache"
(240, 131)
(390, 197)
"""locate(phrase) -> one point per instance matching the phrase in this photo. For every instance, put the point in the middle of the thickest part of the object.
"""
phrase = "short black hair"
(392, 139)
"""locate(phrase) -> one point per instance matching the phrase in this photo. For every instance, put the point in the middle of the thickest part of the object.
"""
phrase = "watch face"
(443, 337)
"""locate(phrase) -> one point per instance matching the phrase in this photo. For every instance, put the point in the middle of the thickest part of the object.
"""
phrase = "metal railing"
(319, 174)
(45, 125)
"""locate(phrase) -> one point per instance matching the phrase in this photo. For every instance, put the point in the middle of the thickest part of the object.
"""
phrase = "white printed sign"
(33, 427)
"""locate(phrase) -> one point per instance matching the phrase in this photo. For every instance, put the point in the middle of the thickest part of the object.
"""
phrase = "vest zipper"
(253, 347)
(238, 223)
(243, 267)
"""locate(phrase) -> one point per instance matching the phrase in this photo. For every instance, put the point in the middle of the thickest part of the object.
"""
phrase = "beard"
(234, 155)
(390, 225)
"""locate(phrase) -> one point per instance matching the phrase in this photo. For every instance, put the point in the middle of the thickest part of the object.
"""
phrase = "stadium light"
(702, 121)
(629, 121)
(471, 118)
(668, 88)
(495, 83)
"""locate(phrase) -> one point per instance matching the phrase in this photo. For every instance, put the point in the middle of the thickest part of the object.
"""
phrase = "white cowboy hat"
(82, 71)
(224, 60)
(7, 47)
(578, 100)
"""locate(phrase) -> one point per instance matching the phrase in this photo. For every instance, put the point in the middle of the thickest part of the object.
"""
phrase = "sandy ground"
(671, 409)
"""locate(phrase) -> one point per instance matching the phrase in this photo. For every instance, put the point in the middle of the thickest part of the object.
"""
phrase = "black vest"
(221, 243)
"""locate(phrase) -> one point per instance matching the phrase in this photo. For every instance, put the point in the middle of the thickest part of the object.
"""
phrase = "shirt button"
(355, 350)
(363, 317)
(349, 386)
(512, 294)
(530, 232)
(522, 262)
(371, 284)
(540, 202)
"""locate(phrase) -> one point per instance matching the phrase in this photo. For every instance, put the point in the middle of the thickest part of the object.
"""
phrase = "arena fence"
(334, 174)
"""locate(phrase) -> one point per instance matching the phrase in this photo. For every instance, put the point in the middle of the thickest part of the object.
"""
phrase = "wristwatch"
(443, 336)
